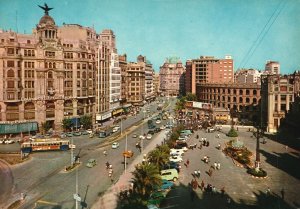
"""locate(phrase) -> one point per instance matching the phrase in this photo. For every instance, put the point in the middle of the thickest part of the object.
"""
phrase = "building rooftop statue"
(46, 19)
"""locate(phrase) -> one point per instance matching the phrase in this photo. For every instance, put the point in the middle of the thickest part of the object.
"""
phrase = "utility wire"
(265, 33)
(260, 36)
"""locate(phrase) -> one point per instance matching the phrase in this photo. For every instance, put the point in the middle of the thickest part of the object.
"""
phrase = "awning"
(127, 105)
(15, 128)
(117, 111)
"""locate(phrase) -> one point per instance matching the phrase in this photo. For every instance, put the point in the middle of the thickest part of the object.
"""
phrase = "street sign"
(77, 197)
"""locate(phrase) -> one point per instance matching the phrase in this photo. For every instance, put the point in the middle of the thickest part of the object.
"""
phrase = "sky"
(251, 31)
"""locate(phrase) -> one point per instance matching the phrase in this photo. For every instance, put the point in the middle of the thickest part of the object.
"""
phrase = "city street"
(43, 180)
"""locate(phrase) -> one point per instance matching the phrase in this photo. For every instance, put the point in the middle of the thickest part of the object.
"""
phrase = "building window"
(10, 73)
(10, 84)
(10, 63)
(10, 51)
(50, 54)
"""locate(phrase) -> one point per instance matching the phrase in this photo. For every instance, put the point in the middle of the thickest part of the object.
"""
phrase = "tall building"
(149, 94)
(278, 93)
(171, 77)
(55, 73)
(272, 67)
(156, 84)
(123, 67)
(208, 69)
(135, 79)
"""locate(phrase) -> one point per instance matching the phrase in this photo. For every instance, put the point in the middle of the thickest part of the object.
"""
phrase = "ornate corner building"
(54, 73)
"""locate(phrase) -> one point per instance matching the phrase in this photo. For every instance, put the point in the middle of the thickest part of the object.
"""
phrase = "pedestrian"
(223, 191)
(187, 163)
(218, 166)
(210, 172)
(198, 173)
(286, 148)
(214, 190)
(228, 201)
(215, 166)
(207, 143)
(202, 185)
(282, 193)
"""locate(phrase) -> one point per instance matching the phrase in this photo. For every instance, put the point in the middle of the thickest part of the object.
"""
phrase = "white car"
(141, 137)
(162, 127)
(158, 122)
(72, 146)
(180, 154)
(177, 151)
(116, 129)
(115, 145)
(149, 136)
(90, 131)
(175, 158)
(9, 141)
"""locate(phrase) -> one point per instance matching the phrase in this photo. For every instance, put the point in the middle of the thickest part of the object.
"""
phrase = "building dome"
(46, 20)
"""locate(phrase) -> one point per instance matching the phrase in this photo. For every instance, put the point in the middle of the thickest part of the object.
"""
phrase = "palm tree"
(159, 156)
(146, 178)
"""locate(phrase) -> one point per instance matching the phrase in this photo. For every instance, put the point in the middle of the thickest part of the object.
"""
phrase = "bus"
(45, 145)
(105, 132)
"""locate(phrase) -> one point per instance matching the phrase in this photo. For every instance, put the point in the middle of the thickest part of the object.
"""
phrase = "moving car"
(169, 174)
(128, 154)
(116, 129)
(149, 136)
(158, 121)
(115, 145)
(90, 131)
(91, 163)
(141, 137)
(134, 135)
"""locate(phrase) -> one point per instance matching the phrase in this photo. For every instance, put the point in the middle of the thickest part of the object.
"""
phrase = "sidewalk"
(110, 198)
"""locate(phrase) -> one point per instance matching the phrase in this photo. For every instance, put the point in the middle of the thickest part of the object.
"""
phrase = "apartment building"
(171, 76)
(208, 69)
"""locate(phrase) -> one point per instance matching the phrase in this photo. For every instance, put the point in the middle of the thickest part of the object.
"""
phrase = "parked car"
(170, 165)
(63, 135)
(166, 185)
(169, 174)
(141, 137)
(156, 198)
(115, 145)
(152, 132)
(157, 130)
(90, 131)
(69, 134)
(177, 151)
(162, 127)
(84, 133)
(158, 121)
(134, 135)
(149, 136)
(77, 133)
(91, 163)
(175, 158)
(9, 141)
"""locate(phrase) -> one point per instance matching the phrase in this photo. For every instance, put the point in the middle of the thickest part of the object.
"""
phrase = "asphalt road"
(45, 183)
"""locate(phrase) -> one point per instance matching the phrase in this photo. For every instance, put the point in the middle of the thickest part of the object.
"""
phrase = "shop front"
(18, 127)
(117, 112)
(103, 116)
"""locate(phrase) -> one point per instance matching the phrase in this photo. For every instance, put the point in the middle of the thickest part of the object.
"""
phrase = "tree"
(159, 156)
(46, 126)
(191, 97)
(146, 178)
(180, 104)
(66, 123)
(86, 121)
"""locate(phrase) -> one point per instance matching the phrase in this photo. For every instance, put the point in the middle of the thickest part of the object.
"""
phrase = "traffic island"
(71, 167)
(238, 152)
(257, 173)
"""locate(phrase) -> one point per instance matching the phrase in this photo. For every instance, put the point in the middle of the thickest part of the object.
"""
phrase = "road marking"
(47, 203)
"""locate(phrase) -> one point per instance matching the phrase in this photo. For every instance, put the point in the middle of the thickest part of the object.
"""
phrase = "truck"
(105, 132)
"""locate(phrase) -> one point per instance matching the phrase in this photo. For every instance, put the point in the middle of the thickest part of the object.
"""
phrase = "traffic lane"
(6, 179)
